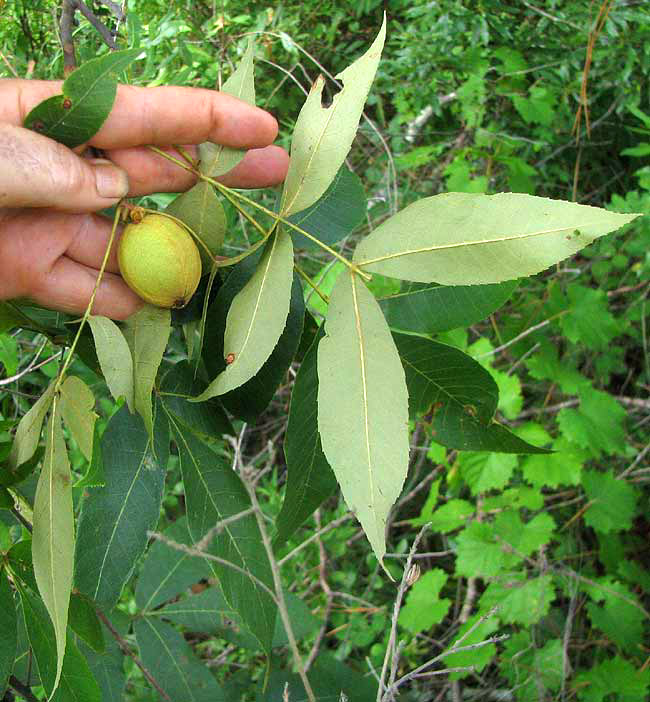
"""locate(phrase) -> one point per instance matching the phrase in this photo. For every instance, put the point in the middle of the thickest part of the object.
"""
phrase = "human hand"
(51, 243)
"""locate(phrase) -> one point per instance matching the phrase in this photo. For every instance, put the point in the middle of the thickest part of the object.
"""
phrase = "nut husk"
(159, 261)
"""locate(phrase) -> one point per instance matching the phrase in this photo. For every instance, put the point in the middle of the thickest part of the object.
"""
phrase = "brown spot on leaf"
(230, 358)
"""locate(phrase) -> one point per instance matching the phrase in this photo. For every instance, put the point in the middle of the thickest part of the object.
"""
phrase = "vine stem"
(68, 359)
(229, 193)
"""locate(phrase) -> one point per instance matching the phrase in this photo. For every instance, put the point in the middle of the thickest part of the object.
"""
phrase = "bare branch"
(102, 30)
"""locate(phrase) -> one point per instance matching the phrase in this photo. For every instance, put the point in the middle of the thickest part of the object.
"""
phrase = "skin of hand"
(51, 242)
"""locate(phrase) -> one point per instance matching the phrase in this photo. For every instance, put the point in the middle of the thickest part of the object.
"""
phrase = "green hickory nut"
(159, 261)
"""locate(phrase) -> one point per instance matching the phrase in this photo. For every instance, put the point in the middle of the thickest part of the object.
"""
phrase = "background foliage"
(473, 97)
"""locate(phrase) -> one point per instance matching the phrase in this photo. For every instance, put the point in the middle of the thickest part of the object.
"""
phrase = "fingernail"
(111, 182)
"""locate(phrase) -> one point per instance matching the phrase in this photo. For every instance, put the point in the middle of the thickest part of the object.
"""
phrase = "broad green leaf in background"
(520, 600)
(53, 533)
(77, 410)
(114, 521)
(615, 614)
(172, 663)
(597, 424)
(563, 467)
(310, 480)
(475, 659)
(323, 135)
(213, 492)
(424, 608)
(589, 320)
(457, 396)
(215, 159)
(430, 309)
(146, 333)
(114, 358)
(337, 213)
(612, 502)
(485, 471)
(77, 682)
(487, 550)
(166, 572)
(613, 678)
(88, 96)
(464, 239)
(8, 630)
(525, 666)
(201, 210)
(363, 406)
(29, 430)
(256, 318)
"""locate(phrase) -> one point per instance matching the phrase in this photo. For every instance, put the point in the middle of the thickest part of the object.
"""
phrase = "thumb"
(38, 172)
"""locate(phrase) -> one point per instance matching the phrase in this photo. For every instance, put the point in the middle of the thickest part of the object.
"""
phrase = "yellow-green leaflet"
(77, 409)
(29, 430)
(215, 158)
(257, 317)
(146, 333)
(201, 210)
(363, 406)
(468, 238)
(114, 357)
(323, 135)
(53, 533)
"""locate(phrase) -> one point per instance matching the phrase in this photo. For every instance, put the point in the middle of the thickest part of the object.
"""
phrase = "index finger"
(160, 116)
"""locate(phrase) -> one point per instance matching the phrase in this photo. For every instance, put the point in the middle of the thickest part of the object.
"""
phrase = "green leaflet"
(88, 97)
(77, 409)
(112, 532)
(256, 318)
(201, 210)
(53, 533)
(465, 239)
(457, 396)
(215, 158)
(213, 492)
(8, 630)
(338, 212)
(363, 406)
(323, 135)
(29, 430)
(430, 309)
(146, 333)
(167, 573)
(173, 664)
(114, 358)
(77, 683)
(250, 399)
(310, 480)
